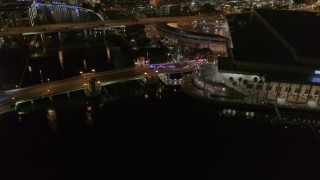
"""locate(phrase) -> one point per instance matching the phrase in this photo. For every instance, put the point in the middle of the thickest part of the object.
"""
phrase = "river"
(139, 131)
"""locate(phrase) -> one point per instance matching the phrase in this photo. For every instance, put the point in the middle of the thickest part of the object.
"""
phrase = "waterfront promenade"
(288, 112)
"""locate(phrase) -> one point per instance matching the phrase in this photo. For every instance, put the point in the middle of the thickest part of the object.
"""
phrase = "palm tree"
(240, 80)
(231, 79)
(245, 82)
(255, 80)
(234, 83)
(260, 82)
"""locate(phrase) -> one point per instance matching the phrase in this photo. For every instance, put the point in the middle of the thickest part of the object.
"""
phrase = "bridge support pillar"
(41, 37)
(68, 94)
(32, 102)
(59, 34)
(50, 97)
(85, 33)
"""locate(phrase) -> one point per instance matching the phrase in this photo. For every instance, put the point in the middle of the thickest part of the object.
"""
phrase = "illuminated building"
(280, 61)
(212, 34)
(21, 13)
(286, 52)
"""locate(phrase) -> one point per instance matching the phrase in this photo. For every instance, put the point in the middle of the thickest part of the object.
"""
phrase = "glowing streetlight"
(93, 70)
(41, 76)
(81, 73)
(85, 64)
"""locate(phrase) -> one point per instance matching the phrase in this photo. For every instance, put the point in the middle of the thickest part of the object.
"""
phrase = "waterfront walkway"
(287, 112)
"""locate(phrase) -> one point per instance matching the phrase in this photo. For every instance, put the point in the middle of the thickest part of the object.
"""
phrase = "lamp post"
(81, 73)
(41, 76)
(85, 64)
(147, 56)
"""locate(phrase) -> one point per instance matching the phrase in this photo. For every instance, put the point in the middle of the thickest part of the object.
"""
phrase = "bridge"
(48, 28)
(9, 99)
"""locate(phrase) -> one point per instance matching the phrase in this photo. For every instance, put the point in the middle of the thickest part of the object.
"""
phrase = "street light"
(81, 73)
(48, 80)
(93, 70)
(85, 64)
(41, 76)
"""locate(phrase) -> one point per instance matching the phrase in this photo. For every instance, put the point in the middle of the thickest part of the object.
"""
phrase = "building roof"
(254, 42)
(282, 44)
(276, 36)
(301, 29)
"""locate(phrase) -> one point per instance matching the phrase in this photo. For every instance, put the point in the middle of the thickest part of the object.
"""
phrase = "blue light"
(315, 79)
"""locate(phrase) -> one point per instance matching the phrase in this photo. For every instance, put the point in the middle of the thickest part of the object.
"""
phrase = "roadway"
(37, 29)
(48, 28)
(71, 84)
(308, 8)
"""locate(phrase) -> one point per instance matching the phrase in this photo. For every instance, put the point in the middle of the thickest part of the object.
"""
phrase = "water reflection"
(89, 119)
(229, 112)
(29, 68)
(61, 59)
(108, 55)
(234, 112)
(159, 92)
(146, 96)
(52, 119)
(250, 115)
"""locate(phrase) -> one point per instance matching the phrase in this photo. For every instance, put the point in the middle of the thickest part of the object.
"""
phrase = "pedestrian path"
(284, 112)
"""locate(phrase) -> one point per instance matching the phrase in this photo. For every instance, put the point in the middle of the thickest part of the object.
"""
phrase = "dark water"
(138, 132)
(149, 134)
(65, 58)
